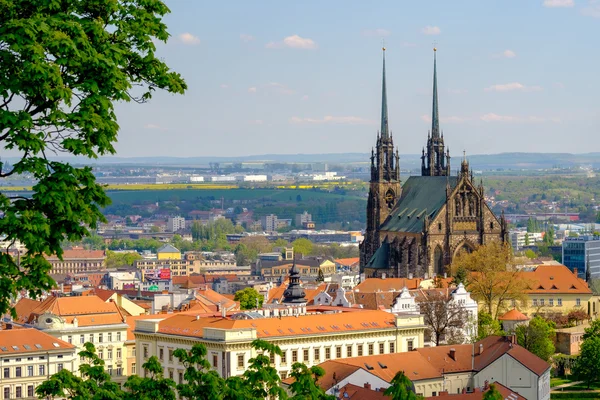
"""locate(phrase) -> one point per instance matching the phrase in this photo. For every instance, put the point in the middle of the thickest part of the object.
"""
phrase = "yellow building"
(310, 339)
(307, 267)
(28, 358)
(168, 252)
(78, 320)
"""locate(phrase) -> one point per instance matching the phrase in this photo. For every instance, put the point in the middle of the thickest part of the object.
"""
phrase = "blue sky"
(305, 77)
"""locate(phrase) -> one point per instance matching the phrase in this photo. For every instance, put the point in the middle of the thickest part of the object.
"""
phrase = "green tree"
(549, 236)
(302, 246)
(493, 394)
(530, 254)
(114, 260)
(249, 298)
(537, 337)
(153, 386)
(487, 326)
(460, 276)
(586, 366)
(261, 378)
(593, 330)
(305, 385)
(201, 381)
(320, 276)
(63, 66)
(401, 388)
(527, 239)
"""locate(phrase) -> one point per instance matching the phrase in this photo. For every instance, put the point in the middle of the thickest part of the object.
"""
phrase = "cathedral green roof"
(421, 196)
(381, 257)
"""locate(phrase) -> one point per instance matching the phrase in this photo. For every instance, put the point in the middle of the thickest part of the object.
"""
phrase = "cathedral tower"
(435, 162)
(384, 189)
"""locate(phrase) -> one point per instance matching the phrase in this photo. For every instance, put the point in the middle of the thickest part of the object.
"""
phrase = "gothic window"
(438, 261)
(491, 225)
(389, 198)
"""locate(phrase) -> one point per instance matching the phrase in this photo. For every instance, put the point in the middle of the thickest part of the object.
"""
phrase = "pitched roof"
(350, 391)
(79, 254)
(478, 394)
(187, 324)
(421, 196)
(89, 310)
(381, 257)
(167, 248)
(387, 284)
(554, 279)
(513, 315)
(16, 341)
(103, 293)
(496, 346)
(348, 262)
(24, 307)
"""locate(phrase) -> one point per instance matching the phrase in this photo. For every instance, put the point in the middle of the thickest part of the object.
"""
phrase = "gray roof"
(167, 248)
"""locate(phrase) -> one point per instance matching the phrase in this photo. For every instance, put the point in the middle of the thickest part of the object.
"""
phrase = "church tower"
(384, 190)
(435, 162)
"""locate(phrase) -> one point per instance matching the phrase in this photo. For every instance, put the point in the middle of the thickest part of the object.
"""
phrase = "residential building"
(78, 320)
(168, 252)
(303, 218)
(175, 224)
(521, 238)
(568, 340)
(310, 339)
(446, 369)
(269, 223)
(309, 269)
(78, 260)
(28, 357)
(582, 254)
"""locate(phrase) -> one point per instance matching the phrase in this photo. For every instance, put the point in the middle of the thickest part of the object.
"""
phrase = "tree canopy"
(537, 337)
(63, 66)
(401, 388)
(249, 298)
(493, 394)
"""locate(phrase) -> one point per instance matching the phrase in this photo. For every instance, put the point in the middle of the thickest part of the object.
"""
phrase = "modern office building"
(582, 253)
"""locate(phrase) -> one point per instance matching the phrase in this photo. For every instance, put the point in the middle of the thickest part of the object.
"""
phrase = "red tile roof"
(550, 279)
(89, 310)
(348, 262)
(478, 394)
(350, 391)
(103, 293)
(496, 346)
(513, 315)
(16, 341)
(371, 285)
(80, 254)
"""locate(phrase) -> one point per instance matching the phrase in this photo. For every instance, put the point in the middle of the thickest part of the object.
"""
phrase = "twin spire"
(435, 115)
(384, 111)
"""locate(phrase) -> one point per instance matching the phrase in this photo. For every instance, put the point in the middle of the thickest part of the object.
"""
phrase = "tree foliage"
(153, 386)
(493, 394)
(493, 277)
(63, 66)
(443, 316)
(249, 298)
(302, 246)
(586, 366)
(305, 386)
(537, 337)
(401, 388)
(114, 260)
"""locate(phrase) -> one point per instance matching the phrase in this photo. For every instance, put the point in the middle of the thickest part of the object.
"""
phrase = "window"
(577, 302)
(551, 302)
(284, 357)
(30, 370)
(294, 356)
(81, 339)
(170, 354)
(171, 374)
(70, 339)
(109, 355)
(370, 349)
(59, 367)
(305, 355)
(91, 338)
(535, 302)
(145, 352)
(215, 360)
(118, 336)
(42, 369)
(6, 372)
(7, 392)
(317, 355)
(18, 372)
(271, 358)
(410, 345)
(133, 371)
(101, 354)
(100, 338)
(360, 350)
(434, 394)
(559, 302)
(328, 353)
(349, 350)
(542, 301)
(392, 347)
(119, 371)
(30, 391)
(161, 354)
(240, 361)
(109, 369)
(19, 392)
(381, 348)
(118, 353)
(283, 375)
(180, 377)
(109, 336)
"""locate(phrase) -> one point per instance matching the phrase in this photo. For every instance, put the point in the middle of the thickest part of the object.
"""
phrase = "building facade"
(78, 260)
(417, 228)
(175, 224)
(269, 223)
(582, 254)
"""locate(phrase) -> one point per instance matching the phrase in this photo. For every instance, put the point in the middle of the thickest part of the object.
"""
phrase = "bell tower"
(384, 185)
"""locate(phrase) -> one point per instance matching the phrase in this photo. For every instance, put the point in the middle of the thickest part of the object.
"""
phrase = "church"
(415, 228)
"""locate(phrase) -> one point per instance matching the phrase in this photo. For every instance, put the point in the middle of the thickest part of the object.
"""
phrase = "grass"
(558, 381)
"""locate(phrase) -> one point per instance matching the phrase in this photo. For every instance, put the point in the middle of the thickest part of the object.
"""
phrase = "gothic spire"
(384, 110)
(435, 117)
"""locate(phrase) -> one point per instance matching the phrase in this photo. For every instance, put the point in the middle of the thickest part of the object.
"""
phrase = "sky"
(281, 77)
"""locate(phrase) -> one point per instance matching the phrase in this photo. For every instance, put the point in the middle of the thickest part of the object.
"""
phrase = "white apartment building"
(175, 224)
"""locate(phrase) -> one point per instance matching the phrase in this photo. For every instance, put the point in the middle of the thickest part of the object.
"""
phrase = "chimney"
(9, 326)
(367, 385)
(410, 275)
(197, 317)
(443, 393)
(453, 354)
(383, 276)
(480, 349)
(223, 312)
(575, 271)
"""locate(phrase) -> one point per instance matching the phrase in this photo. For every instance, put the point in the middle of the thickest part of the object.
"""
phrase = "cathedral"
(415, 228)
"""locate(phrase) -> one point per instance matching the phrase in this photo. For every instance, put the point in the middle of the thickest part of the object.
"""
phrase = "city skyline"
(280, 78)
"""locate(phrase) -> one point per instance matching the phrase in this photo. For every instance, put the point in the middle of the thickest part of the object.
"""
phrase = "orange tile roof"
(16, 341)
(478, 394)
(210, 297)
(513, 315)
(130, 321)
(387, 284)
(348, 262)
(188, 325)
(496, 346)
(350, 391)
(89, 310)
(550, 279)
(276, 294)
(103, 293)
(24, 307)
(80, 254)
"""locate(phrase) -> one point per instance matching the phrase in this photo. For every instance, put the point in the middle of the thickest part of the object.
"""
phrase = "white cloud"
(592, 9)
(559, 3)
(224, 86)
(431, 30)
(492, 117)
(188, 38)
(506, 87)
(329, 119)
(252, 89)
(293, 42)
(246, 38)
(376, 32)
(509, 54)
(305, 97)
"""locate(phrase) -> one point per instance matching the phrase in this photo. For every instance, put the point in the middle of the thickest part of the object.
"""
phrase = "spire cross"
(434, 45)
(383, 44)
